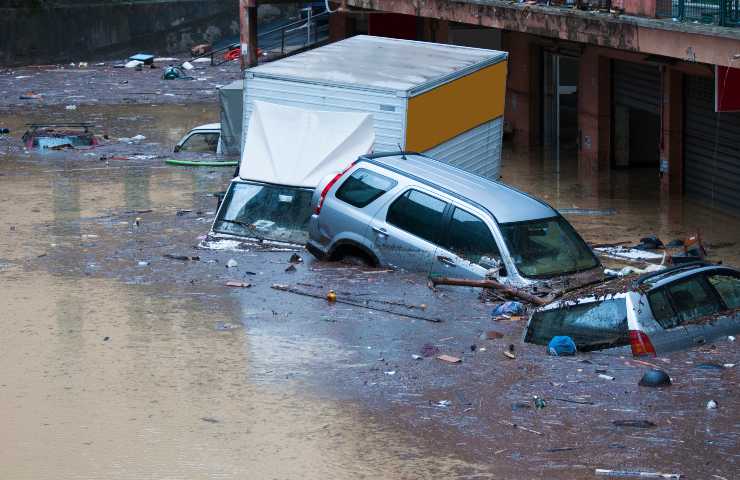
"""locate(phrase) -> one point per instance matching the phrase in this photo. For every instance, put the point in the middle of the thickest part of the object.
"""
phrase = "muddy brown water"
(111, 369)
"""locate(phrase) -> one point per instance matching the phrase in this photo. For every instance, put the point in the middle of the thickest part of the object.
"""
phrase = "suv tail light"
(328, 186)
(641, 344)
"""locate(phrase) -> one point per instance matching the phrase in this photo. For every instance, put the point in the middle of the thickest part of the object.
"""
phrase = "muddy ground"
(118, 362)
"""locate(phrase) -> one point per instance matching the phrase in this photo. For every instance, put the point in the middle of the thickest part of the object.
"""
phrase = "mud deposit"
(118, 362)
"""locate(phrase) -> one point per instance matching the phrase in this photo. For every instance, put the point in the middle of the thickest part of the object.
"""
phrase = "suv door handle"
(446, 260)
(380, 231)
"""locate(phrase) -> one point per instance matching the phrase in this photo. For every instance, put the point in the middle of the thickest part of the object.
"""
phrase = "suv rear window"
(363, 187)
(592, 325)
(417, 213)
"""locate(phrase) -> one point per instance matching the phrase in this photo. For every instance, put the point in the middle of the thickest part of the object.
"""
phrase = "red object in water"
(235, 53)
(232, 55)
(726, 89)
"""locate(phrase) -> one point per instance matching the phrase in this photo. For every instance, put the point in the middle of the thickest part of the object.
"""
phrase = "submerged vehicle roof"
(505, 203)
(207, 126)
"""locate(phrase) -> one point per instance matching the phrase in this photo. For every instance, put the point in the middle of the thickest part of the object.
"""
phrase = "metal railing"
(711, 12)
(295, 36)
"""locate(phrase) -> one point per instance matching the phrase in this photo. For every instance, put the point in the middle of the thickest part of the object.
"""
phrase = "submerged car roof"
(505, 203)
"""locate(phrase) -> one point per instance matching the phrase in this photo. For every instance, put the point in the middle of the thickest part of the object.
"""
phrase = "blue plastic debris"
(561, 345)
(144, 58)
(508, 308)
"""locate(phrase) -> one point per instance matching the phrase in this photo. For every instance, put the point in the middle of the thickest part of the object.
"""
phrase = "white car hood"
(299, 147)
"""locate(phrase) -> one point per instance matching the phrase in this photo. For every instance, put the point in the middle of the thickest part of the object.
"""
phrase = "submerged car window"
(201, 142)
(547, 247)
(363, 187)
(417, 213)
(469, 237)
(591, 325)
(728, 288)
(692, 300)
(662, 309)
(267, 212)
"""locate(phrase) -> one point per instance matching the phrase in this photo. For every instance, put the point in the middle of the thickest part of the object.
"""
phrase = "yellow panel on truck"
(453, 108)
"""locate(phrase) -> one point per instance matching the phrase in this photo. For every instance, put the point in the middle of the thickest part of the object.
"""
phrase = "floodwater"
(115, 369)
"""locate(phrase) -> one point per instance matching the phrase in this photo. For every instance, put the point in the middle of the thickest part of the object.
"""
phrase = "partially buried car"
(658, 312)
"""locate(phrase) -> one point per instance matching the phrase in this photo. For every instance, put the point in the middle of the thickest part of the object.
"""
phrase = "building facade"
(623, 84)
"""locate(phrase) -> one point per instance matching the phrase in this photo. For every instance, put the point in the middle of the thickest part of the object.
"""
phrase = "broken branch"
(287, 288)
(494, 285)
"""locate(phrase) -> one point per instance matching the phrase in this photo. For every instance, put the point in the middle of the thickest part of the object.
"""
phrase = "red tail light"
(328, 186)
(326, 189)
(641, 344)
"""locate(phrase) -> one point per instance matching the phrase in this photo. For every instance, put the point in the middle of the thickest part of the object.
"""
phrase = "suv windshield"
(266, 212)
(547, 247)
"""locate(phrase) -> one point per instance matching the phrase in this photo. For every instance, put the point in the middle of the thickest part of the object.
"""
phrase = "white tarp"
(299, 147)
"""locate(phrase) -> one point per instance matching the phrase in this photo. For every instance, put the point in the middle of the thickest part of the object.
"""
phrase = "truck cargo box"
(443, 100)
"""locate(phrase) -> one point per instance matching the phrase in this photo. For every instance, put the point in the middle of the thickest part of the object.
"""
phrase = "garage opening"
(711, 153)
(636, 123)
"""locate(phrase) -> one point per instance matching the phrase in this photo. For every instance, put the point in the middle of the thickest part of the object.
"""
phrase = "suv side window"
(728, 287)
(469, 237)
(417, 213)
(363, 187)
(692, 300)
(662, 309)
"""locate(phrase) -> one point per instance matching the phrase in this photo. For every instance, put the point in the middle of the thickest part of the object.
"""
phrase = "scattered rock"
(712, 405)
(295, 258)
(238, 284)
(232, 263)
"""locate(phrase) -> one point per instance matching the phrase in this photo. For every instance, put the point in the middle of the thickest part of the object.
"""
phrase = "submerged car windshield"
(547, 247)
(592, 325)
(265, 212)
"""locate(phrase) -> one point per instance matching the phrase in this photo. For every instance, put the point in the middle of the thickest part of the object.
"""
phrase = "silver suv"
(671, 309)
(410, 211)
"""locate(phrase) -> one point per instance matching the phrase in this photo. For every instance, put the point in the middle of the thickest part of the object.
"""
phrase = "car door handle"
(446, 260)
(380, 231)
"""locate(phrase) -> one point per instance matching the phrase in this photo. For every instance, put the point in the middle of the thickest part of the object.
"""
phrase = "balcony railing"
(711, 12)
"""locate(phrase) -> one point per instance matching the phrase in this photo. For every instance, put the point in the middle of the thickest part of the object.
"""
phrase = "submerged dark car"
(668, 310)
(59, 135)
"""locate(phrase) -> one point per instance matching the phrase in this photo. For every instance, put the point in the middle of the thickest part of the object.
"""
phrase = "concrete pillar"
(671, 148)
(594, 113)
(339, 26)
(522, 90)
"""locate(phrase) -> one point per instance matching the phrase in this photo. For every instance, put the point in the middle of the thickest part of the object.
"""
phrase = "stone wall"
(44, 31)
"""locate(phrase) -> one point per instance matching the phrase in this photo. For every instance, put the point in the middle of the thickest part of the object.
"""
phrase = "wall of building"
(38, 31)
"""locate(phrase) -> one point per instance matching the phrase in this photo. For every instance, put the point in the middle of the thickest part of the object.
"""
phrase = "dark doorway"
(644, 139)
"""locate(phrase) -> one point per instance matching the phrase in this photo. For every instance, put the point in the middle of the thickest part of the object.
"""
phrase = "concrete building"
(618, 85)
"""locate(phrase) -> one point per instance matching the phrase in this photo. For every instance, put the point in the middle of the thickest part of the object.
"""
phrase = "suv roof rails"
(676, 268)
(399, 153)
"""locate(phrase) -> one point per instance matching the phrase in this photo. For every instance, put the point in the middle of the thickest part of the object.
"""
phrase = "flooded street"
(121, 363)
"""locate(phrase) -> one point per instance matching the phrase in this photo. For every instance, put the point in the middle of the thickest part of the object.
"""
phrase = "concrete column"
(339, 26)
(522, 90)
(594, 113)
(671, 148)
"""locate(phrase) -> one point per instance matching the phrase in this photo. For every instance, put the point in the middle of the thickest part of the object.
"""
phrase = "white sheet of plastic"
(299, 147)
